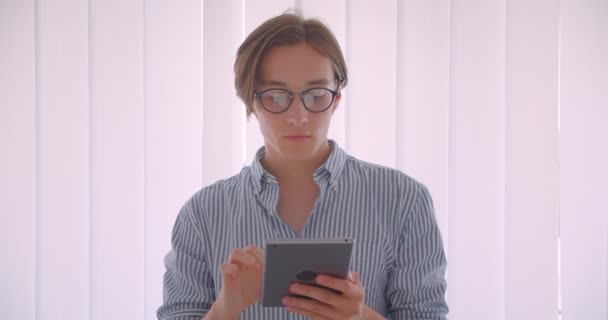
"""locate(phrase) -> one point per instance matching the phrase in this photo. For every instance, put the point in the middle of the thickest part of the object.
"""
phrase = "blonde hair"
(285, 29)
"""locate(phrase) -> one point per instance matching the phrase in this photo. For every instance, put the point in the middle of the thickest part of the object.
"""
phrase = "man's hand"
(328, 305)
(241, 283)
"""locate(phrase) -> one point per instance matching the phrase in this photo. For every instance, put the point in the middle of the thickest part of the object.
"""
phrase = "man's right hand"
(241, 283)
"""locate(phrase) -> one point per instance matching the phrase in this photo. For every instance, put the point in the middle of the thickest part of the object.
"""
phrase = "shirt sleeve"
(187, 285)
(416, 289)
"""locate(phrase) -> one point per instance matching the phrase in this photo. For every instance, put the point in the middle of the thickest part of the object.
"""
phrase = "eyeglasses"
(279, 100)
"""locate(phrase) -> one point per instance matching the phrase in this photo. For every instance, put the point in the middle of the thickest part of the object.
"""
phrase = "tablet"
(300, 260)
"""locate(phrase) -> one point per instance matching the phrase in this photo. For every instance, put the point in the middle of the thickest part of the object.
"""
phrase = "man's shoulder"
(378, 173)
(222, 189)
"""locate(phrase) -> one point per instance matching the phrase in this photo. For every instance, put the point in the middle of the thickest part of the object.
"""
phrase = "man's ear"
(337, 100)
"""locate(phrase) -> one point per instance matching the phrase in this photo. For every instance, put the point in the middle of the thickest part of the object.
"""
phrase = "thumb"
(354, 277)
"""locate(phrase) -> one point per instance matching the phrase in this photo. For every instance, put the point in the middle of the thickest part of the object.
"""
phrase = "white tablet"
(300, 260)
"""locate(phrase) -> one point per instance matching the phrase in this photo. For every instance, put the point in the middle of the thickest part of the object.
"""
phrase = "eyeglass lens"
(317, 99)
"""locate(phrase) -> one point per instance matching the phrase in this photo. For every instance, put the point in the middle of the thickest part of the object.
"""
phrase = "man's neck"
(294, 170)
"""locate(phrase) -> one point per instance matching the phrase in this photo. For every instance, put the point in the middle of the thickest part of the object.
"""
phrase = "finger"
(230, 270)
(345, 286)
(354, 277)
(310, 308)
(238, 256)
(320, 294)
(256, 252)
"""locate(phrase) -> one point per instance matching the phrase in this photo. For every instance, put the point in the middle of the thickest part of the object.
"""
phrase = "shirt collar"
(332, 167)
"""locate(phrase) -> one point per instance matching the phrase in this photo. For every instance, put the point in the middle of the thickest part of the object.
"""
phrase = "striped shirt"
(398, 249)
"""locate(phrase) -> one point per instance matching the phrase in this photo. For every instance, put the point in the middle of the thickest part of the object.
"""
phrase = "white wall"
(113, 113)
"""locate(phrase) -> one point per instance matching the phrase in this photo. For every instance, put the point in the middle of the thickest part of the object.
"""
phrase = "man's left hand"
(328, 305)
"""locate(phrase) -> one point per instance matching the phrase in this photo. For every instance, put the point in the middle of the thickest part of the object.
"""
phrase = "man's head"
(284, 30)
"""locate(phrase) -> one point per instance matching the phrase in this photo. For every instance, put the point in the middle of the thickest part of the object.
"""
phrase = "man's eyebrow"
(273, 83)
(323, 81)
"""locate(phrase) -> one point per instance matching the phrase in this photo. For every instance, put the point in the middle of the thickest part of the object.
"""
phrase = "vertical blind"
(113, 113)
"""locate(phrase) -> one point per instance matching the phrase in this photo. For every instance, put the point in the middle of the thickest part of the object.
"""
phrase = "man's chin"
(304, 151)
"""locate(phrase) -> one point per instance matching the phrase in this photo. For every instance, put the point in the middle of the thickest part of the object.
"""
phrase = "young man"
(290, 73)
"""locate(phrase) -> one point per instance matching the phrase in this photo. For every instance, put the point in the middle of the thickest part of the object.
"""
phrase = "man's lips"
(298, 136)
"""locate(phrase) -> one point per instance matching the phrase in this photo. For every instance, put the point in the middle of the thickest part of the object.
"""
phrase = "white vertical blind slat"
(583, 159)
(222, 110)
(173, 128)
(18, 161)
(63, 98)
(477, 160)
(372, 49)
(532, 173)
(422, 98)
(333, 14)
(117, 160)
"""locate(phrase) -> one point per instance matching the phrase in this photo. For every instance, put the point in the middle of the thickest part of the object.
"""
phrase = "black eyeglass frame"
(334, 93)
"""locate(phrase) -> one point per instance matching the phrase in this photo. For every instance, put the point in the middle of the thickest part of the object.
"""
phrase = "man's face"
(296, 133)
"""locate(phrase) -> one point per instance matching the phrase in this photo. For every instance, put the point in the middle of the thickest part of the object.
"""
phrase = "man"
(290, 73)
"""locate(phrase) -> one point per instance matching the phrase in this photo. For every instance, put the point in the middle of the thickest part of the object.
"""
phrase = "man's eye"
(278, 98)
(317, 93)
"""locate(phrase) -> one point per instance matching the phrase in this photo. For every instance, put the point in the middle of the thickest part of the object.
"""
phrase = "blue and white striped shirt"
(398, 249)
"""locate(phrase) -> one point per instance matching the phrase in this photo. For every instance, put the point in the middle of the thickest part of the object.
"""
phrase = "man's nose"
(297, 113)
